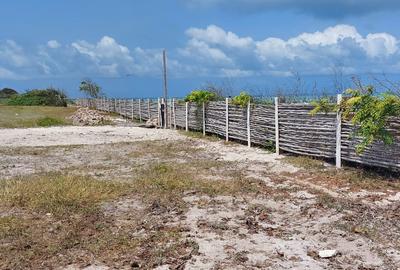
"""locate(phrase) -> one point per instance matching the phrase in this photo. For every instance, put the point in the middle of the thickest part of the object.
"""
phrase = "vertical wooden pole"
(140, 110)
(158, 112)
(339, 134)
(277, 125)
(227, 119)
(204, 119)
(148, 108)
(165, 89)
(248, 126)
(132, 116)
(174, 112)
(187, 116)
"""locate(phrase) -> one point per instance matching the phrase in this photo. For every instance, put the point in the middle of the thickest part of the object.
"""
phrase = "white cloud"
(211, 51)
(216, 35)
(7, 74)
(13, 54)
(53, 44)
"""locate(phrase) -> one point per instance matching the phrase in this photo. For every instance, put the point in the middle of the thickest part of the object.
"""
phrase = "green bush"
(7, 93)
(371, 112)
(323, 105)
(242, 99)
(47, 97)
(49, 121)
(200, 96)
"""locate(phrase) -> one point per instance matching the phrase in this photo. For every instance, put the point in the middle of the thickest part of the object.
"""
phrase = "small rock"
(328, 253)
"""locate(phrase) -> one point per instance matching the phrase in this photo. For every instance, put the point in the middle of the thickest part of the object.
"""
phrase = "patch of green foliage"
(90, 88)
(200, 96)
(242, 99)
(7, 93)
(323, 105)
(49, 121)
(371, 112)
(38, 97)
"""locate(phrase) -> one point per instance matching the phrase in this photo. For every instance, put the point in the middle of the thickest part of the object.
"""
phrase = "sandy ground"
(74, 135)
(268, 231)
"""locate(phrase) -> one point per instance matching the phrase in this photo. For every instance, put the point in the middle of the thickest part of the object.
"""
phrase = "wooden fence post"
(158, 111)
(140, 110)
(227, 119)
(187, 116)
(148, 108)
(204, 119)
(339, 134)
(277, 125)
(173, 111)
(132, 109)
(248, 126)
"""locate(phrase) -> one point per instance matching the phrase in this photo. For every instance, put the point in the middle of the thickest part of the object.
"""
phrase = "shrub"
(242, 99)
(200, 96)
(371, 113)
(7, 93)
(47, 97)
(323, 105)
(49, 121)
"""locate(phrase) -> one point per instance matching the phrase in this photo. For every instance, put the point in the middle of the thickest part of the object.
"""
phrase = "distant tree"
(90, 88)
(7, 93)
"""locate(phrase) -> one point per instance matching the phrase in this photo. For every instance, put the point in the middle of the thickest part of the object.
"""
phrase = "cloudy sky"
(253, 44)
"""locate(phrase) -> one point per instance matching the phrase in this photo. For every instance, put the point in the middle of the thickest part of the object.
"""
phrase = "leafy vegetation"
(323, 105)
(38, 97)
(242, 99)
(90, 88)
(7, 93)
(49, 121)
(32, 116)
(371, 112)
(200, 96)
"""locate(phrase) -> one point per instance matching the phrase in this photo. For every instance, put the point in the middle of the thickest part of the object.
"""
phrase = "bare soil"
(206, 204)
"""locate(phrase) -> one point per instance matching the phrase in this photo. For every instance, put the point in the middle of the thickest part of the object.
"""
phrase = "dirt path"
(279, 216)
(74, 135)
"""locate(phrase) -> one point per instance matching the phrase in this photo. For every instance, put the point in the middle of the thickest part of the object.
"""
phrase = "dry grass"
(31, 116)
(304, 162)
(55, 219)
(199, 135)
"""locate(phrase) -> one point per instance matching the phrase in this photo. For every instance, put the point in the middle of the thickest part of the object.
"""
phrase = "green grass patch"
(49, 121)
(33, 116)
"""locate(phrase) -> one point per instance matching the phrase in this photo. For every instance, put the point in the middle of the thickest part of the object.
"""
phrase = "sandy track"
(73, 135)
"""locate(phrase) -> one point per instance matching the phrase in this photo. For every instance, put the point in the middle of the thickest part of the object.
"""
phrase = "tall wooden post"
(174, 112)
(165, 89)
(277, 125)
(204, 119)
(132, 116)
(148, 108)
(227, 119)
(140, 110)
(248, 126)
(339, 134)
(187, 116)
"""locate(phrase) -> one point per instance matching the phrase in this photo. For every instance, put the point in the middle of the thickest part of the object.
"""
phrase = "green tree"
(90, 88)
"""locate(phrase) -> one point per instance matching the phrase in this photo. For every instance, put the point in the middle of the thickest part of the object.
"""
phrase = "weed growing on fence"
(323, 105)
(305, 162)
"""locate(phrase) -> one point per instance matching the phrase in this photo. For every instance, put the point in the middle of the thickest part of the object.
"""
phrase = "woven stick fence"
(288, 127)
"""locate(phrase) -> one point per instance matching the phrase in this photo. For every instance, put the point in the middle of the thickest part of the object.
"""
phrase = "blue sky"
(239, 44)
